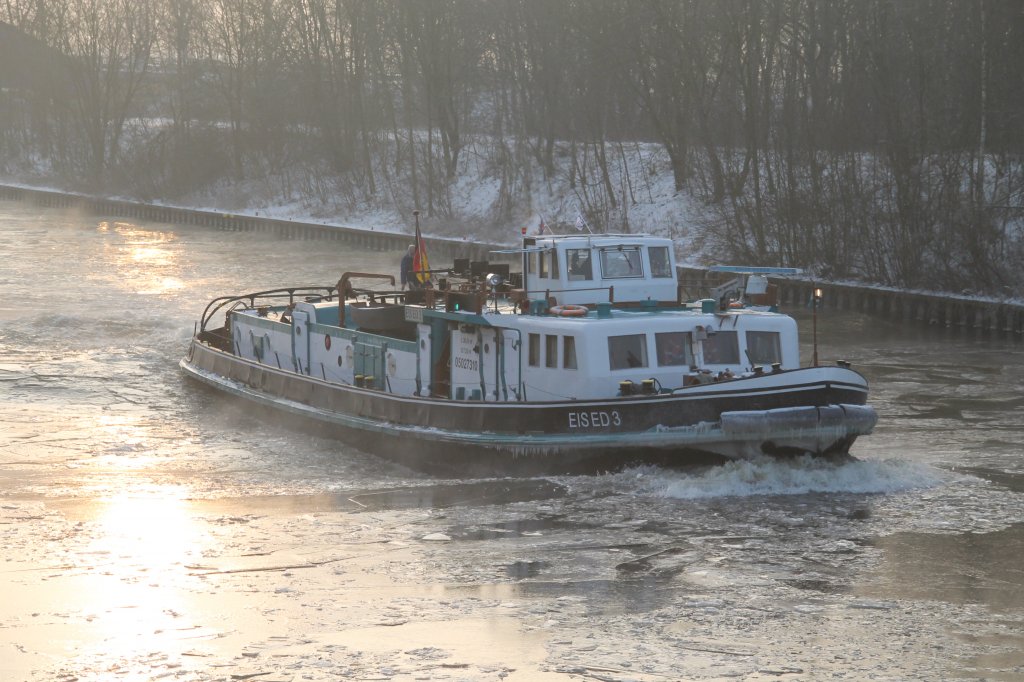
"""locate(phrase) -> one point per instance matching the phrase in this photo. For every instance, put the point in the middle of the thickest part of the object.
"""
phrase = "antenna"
(815, 300)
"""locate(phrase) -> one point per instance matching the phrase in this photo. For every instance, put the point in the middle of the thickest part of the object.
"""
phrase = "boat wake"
(791, 476)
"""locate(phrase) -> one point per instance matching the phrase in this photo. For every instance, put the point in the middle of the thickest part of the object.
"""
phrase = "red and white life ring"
(569, 310)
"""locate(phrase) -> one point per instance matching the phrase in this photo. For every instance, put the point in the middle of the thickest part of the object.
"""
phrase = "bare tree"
(109, 44)
(865, 138)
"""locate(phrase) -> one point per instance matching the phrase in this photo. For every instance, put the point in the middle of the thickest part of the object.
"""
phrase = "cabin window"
(621, 262)
(550, 350)
(661, 264)
(764, 348)
(675, 349)
(531, 263)
(569, 352)
(577, 262)
(534, 351)
(543, 259)
(627, 352)
(554, 264)
(721, 348)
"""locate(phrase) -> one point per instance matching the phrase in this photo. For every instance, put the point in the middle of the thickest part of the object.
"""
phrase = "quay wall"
(235, 222)
(908, 307)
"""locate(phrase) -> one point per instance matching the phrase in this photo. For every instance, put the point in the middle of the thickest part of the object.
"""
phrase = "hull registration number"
(594, 419)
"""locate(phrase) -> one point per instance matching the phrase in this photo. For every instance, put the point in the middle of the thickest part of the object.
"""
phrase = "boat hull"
(814, 410)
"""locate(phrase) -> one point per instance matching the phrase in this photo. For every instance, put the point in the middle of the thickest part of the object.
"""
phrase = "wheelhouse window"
(764, 348)
(621, 262)
(674, 349)
(534, 350)
(543, 263)
(550, 350)
(661, 264)
(721, 348)
(577, 262)
(569, 352)
(627, 352)
(554, 264)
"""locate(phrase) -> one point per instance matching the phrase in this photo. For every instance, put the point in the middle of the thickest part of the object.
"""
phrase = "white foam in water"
(796, 476)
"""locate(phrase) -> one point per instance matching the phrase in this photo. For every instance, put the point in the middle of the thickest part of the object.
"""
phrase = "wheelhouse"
(583, 269)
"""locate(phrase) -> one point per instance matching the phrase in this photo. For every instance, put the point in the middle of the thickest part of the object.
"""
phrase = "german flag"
(420, 264)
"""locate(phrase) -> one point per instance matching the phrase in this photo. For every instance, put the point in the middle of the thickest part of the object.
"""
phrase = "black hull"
(472, 461)
(685, 427)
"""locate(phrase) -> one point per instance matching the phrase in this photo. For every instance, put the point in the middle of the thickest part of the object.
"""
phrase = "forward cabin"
(588, 354)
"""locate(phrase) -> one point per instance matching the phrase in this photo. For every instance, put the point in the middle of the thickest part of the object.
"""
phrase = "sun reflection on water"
(151, 530)
(121, 429)
(143, 541)
(145, 260)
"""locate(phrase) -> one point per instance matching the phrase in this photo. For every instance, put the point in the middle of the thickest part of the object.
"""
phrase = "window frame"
(717, 338)
(569, 353)
(667, 262)
(551, 344)
(576, 277)
(687, 347)
(613, 353)
(622, 250)
(776, 343)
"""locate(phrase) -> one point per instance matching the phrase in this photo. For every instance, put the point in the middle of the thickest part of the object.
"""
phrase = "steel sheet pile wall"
(365, 239)
(944, 310)
(910, 307)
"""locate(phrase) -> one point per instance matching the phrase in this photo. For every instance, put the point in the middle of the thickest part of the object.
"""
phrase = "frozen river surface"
(148, 532)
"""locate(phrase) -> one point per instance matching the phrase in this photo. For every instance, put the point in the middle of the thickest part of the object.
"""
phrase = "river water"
(148, 531)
